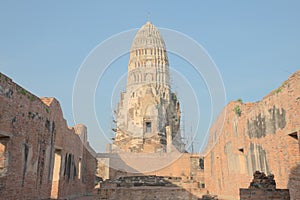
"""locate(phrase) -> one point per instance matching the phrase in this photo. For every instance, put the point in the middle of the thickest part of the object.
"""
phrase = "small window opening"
(148, 127)
(26, 151)
(241, 150)
(294, 135)
(3, 156)
(79, 168)
(201, 163)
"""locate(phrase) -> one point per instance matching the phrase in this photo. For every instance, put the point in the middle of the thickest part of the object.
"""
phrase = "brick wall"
(149, 193)
(186, 166)
(41, 153)
(256, 136)
(265, 194)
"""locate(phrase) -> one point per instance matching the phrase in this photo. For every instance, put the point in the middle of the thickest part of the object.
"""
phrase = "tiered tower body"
(148, 114)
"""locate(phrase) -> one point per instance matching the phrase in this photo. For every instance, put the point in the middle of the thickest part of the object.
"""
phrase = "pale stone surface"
(148, 106)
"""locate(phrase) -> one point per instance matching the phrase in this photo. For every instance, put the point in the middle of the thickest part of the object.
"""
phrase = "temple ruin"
(42, 158)
(148, 114)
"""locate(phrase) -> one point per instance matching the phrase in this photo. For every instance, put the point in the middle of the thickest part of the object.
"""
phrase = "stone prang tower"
(148, 114)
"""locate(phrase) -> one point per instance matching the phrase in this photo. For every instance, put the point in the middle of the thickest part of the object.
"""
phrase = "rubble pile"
(209, 197)
(260, 180)
(135, 181)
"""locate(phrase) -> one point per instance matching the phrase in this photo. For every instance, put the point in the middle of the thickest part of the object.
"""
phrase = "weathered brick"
(260, 136)
(34, 140)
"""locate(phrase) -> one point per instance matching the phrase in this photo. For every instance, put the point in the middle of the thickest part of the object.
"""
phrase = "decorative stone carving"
(148, 86)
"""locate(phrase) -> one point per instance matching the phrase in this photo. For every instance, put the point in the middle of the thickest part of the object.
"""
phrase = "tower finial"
(149, 15)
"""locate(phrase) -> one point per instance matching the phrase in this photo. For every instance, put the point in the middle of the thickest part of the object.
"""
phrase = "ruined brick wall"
(265, 194)
(263, 187)
(42, 157)
(260, 136)
(185, 166)
(90, 170)
(149, 193)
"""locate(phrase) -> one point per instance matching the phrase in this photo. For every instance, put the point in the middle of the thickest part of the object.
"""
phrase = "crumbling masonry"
(40, 156)
(261, 136)
(246, 137)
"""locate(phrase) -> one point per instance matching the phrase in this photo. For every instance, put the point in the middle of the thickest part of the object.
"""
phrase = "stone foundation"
(148, 187)
(148, 192)
(265, 194)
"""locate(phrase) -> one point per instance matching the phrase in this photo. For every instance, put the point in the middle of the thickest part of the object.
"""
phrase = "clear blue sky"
(255, 44)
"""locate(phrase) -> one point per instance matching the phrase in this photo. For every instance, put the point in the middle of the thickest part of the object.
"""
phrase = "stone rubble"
(260, 180)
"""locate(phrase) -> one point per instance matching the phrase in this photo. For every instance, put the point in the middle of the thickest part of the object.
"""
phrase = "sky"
(255, 46)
